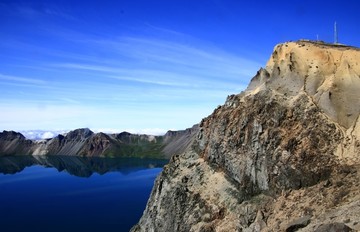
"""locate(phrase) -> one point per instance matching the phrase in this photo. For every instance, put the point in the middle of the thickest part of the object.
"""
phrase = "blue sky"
(144, 66)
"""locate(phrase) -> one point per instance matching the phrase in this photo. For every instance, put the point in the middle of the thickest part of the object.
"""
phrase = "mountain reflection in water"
(78, 166)
(40, 195)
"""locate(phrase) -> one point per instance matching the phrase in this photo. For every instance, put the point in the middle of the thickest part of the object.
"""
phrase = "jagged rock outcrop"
(84, 142)
(284, 150)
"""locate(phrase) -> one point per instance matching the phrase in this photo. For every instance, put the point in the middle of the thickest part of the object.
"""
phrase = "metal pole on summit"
(335, 34)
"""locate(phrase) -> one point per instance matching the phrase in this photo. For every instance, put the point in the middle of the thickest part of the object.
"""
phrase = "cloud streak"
(25, 80)
(167, 63)
(205, 59)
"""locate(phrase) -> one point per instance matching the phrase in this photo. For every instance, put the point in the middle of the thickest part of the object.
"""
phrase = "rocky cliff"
(281, 156)
(84, 142)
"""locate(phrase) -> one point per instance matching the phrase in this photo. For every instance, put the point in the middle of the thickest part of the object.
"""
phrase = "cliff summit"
(329, 74)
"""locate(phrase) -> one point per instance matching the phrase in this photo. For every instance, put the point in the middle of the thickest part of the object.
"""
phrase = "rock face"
(285, 149)
(84, 142)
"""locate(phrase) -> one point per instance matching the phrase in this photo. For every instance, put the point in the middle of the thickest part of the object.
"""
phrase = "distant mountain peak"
(10, 135)
(79, 134)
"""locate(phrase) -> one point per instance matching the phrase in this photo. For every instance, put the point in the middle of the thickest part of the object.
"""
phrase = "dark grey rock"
(334, 227)
(298, 224)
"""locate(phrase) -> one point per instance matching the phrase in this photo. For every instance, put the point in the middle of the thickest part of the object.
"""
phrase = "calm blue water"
(48, 198)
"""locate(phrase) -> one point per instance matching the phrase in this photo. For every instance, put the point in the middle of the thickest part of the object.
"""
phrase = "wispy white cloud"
(145, 76)
(205, 59)
(69, 100)
(25, 80)
(41, 134)
(168, 63)
(165, 30)
(48, 134)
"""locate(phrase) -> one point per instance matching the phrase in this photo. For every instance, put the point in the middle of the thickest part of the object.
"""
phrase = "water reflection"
(44, 197)
(78, 166)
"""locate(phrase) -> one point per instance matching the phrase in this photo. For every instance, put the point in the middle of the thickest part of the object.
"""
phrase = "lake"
(62, 193)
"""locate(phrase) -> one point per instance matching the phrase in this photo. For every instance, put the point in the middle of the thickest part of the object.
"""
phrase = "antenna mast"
(335, 34)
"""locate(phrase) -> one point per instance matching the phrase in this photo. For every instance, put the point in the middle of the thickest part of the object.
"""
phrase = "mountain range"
(84, 142)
